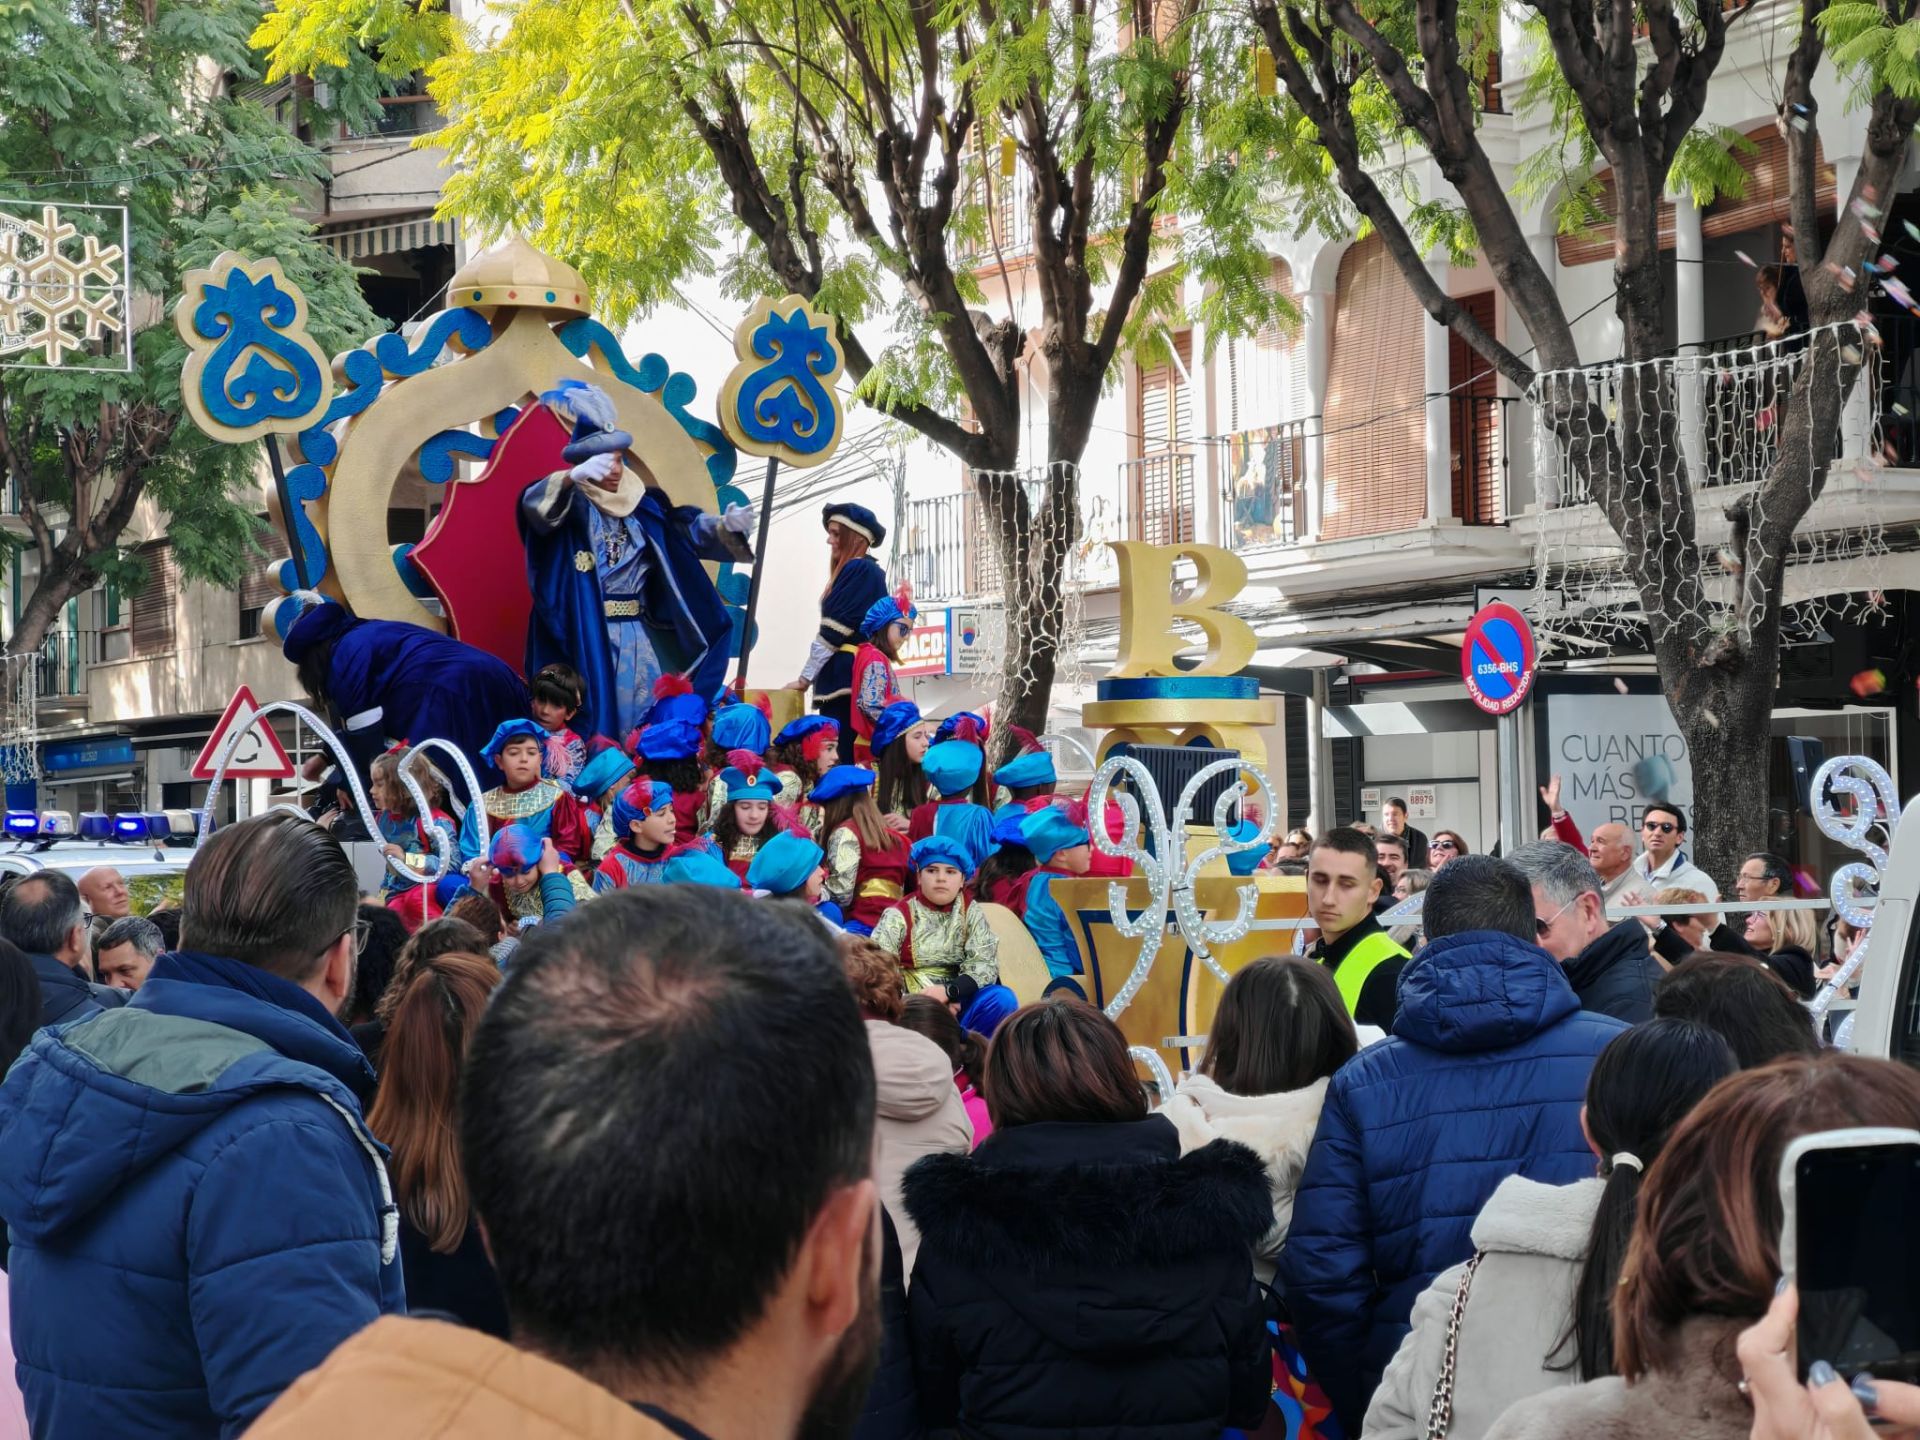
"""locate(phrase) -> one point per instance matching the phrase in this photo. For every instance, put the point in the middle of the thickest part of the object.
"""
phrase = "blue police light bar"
(130, 827)
(94, 825)
(23, 823)
(56, 823)
(159, 827)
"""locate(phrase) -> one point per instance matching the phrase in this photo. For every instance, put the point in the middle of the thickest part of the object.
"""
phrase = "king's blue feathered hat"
(596, 424)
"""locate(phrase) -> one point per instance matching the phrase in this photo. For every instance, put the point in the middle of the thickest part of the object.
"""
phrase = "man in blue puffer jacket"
(198, 1211)
(1483, 1078)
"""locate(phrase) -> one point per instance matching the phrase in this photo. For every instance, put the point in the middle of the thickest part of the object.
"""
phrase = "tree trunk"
(1727, 724)
(50, 594)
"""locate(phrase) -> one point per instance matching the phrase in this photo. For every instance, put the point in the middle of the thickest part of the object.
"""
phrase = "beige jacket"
(402, 1379)
(921, 1113)
(1278, 1128)
(1696, 1400)
(1534, 1238)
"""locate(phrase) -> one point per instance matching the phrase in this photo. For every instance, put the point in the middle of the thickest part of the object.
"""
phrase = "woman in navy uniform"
(857, 582)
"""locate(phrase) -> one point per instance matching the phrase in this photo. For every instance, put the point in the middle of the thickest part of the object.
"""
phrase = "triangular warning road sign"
(258, 756)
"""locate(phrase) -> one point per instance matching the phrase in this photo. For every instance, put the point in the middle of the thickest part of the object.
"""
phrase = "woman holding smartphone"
(1704, 1261)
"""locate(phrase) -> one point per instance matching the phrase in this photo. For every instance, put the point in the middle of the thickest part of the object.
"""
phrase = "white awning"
(389, 236)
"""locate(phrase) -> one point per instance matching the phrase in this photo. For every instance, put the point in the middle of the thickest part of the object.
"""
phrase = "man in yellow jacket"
(667, 1134)
(1343, 885)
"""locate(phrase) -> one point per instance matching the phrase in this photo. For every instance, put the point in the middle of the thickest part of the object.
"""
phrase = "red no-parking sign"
(1497, 661)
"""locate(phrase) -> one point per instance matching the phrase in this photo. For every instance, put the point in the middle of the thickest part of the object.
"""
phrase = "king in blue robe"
(619, 590)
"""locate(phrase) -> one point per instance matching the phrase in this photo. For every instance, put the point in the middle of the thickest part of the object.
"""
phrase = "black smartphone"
(1850, 1245)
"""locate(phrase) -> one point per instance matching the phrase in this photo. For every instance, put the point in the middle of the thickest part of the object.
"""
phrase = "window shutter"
(1376, 424)
(153, 606)
(1589, 246)
(1765, 201)
(261, 583)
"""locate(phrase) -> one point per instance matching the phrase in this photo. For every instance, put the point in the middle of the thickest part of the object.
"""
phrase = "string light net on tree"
(1711, 423)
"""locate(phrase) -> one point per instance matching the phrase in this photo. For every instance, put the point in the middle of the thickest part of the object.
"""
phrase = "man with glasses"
(1609, 966)
(1663, 863)
(189, 1178)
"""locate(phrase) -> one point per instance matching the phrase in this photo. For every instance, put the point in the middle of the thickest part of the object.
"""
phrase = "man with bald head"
(1611, 849)
(105, 891)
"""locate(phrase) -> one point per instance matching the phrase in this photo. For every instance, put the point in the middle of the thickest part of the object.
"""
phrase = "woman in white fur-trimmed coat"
(1539, 1309)
(1280, 1032)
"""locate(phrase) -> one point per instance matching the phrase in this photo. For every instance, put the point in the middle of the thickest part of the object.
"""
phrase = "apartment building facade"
(1379, 480)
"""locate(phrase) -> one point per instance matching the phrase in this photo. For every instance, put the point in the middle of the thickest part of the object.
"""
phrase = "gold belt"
(621, 609)
(885, 889)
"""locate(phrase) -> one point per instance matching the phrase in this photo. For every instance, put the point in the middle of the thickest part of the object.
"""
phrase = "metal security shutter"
(1299, 783)
(153, 607)
(1376, 424)
(1765, 201)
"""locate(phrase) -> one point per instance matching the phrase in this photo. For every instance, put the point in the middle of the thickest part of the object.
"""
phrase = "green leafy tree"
(1626, 83)
(852, 151)
(112, 102)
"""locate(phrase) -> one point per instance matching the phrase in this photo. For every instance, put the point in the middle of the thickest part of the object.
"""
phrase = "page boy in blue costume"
(543, 805)
(1060, 844)
(857, 583)
(619, 591)
(642, 818)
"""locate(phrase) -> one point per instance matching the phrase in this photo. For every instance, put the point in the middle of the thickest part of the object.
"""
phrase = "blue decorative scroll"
(262, 371)
(783, 402)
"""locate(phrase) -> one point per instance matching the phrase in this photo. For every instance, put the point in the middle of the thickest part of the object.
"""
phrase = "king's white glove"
(740, 519)
(597, 468)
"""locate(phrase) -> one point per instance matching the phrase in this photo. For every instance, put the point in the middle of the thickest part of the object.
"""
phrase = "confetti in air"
(1868, 682)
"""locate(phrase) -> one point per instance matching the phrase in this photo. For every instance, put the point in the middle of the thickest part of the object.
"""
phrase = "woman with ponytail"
(1537, 1312)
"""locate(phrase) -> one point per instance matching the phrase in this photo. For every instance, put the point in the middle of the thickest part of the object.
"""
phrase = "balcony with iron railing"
(1157, 497)
(943, 552)
(1264, 486)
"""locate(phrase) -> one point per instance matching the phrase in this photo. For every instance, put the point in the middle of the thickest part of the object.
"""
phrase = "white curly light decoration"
(1873, 792)
(1170, 876)
(422, 806)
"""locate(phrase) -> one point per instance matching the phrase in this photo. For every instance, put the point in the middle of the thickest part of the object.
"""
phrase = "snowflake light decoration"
(59, 290)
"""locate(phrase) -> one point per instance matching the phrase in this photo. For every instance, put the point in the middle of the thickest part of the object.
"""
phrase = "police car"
(136, 844)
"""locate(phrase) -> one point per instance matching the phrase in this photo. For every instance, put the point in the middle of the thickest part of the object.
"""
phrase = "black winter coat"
(1089, 1280)
(1615, 975)
(891, 1411)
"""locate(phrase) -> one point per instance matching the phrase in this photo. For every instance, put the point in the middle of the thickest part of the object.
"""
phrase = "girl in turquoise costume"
(954, 769)
(1059, 843)
(792, 867)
